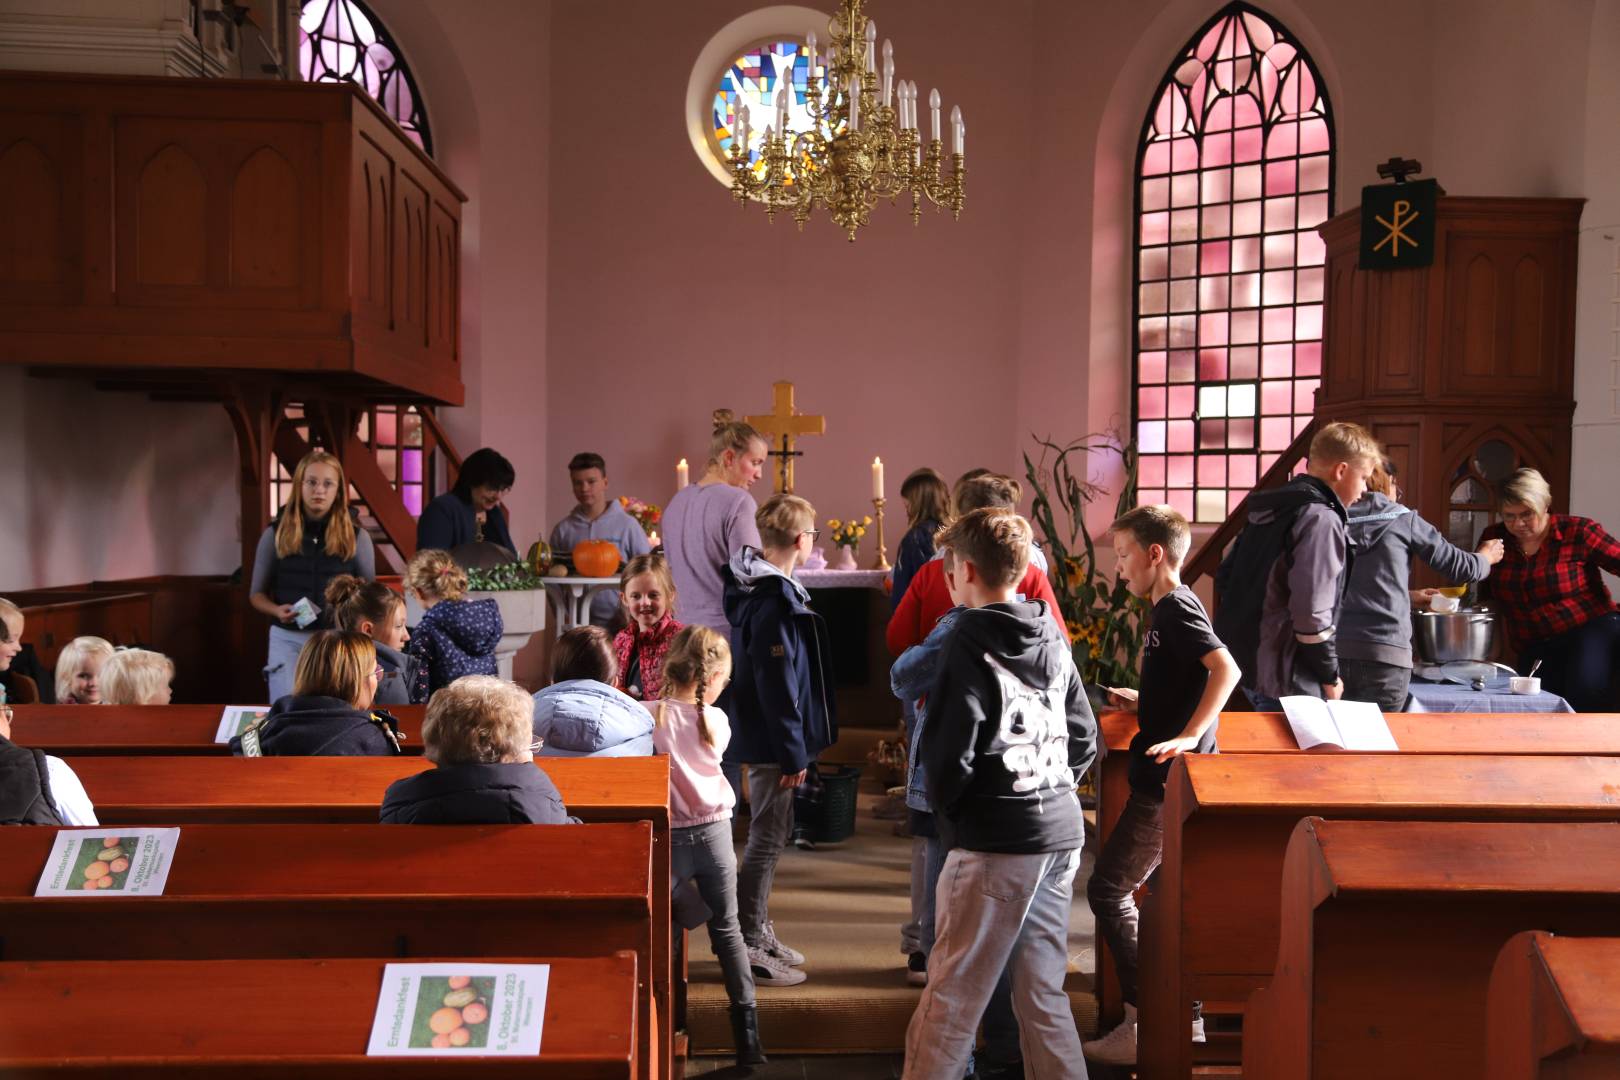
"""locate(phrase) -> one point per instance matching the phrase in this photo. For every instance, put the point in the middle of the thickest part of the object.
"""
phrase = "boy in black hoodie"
(1009, 732)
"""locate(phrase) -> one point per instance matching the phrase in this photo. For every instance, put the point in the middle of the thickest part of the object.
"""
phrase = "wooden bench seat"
(349, 790)
(1210, 929)
(1596, 734)
(1553, 1011)
(168, 730)
(120, 1018)
(1389, 933)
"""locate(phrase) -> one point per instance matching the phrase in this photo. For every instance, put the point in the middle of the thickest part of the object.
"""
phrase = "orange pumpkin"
(596, 558)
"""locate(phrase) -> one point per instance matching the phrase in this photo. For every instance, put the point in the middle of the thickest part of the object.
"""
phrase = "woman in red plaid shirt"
(1550, 592)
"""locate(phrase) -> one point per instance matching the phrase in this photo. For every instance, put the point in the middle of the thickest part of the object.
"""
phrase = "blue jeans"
(1262, 702)
(704, 854)
(771, 806)
(282, 660)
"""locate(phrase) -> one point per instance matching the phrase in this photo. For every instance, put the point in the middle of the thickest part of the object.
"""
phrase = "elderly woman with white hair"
(479, 733)
(1550, 593)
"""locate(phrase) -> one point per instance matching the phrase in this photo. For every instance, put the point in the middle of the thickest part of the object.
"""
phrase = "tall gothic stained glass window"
(1234, 174)
(342, 41)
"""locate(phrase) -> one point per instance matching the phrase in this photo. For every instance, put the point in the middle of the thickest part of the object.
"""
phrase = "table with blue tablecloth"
(1447, 696)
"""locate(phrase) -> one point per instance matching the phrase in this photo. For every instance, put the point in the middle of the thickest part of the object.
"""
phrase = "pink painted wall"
(613, 294)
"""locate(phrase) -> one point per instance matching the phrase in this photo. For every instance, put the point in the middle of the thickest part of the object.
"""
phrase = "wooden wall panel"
(41, 194)
(410, 264)
(371, 245)
(170, 230)
(266, 223)
(1503, 307)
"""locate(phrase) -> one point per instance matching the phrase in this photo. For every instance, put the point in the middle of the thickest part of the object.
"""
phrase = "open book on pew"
(1341, 725)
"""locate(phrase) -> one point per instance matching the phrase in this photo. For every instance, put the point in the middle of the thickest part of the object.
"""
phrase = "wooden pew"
(1553, 1012)
(265, 892)
(1422, 733)
(282, 1018)
(1389, 933)
(166, 730)
(1210, 931)
(349, 790)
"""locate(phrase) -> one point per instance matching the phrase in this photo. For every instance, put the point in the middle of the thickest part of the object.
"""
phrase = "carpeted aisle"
(842, 906)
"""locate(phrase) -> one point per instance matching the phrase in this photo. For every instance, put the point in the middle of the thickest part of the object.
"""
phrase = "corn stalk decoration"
(1106, 623)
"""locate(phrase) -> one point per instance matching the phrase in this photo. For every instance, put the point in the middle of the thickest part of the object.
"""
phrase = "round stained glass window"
(754, 79)
(342, 41)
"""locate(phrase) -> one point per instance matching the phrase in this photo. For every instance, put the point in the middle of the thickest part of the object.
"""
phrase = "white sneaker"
(1118, 1047)
(773, 945)
(771, 971)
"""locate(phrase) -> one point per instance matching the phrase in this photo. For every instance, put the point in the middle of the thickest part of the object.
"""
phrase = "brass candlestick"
(882, 560)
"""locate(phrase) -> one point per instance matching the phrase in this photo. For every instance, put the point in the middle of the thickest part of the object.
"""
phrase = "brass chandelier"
(863, 143)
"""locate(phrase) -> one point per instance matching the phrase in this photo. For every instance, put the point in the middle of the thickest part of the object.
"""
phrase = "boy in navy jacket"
(1009, 733)
(782, 710)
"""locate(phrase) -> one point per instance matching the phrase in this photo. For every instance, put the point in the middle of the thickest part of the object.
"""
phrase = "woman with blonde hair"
(329, 713)
(1550, 592)
(78, 670)
(455, 636)
(312, 541)
(708, 522)
(137, 677)
(478, 735)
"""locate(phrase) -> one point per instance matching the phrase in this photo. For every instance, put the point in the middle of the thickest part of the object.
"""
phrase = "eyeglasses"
(534, 747)
(1528, 517)
(813, 534)
(379, 672)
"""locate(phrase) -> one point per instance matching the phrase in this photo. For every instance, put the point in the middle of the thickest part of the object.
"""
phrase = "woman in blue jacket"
(581, 714)
(471, 511)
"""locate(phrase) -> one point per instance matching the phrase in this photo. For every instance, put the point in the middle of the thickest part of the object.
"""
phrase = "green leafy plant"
(1105, 622)
(508, 577)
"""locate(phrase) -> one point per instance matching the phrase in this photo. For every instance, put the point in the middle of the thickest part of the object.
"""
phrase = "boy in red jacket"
(927, 598)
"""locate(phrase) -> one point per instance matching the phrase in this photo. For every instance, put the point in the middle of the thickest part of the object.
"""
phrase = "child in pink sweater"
(693, 734)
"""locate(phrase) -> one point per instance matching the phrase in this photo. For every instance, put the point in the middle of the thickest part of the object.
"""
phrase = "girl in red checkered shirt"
(647, 590)
(1550, 591)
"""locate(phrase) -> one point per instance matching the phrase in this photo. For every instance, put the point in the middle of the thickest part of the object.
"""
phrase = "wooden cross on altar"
(782, 426)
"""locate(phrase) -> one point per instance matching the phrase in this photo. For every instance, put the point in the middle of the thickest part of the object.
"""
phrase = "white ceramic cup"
(1525, 684)
(1444, 604)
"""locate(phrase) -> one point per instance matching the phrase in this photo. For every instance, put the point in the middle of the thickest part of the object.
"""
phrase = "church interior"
(1196, 259)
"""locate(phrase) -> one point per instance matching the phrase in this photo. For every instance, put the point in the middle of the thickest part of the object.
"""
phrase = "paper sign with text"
(236, 719)
(108, 862)
(459, 1010)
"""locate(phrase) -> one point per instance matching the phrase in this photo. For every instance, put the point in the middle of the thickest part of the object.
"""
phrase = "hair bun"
(343, 589)
(722, 417)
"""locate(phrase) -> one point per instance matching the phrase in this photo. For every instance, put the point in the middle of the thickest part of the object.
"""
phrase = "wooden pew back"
(167, 730)
(284, 1018)
(1553, 1011)
(1389, 932)
(1210, 930)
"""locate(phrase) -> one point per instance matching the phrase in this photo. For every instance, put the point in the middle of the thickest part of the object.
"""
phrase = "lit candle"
(888, 74)
(956, 129)
(877, 478)
(933, 105)
(871, 45)
(682, 476)
(855, 102)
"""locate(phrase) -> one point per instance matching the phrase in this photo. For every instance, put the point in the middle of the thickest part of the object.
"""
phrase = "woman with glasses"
(312, 541)
(329, 713)
(479, 735)
(1375, 620)
(1549, 590)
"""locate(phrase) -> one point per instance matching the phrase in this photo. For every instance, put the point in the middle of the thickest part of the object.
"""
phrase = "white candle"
(871, 45)
(888, 74)
(911, 105)
(742, 131)
(855, 102)
(877, 478)
(956, 129)
(782, 109)
(682, 476)
(810, 43)
(933, 105)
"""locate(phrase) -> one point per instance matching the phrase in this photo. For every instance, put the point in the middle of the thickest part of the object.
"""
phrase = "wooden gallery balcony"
(196, 237)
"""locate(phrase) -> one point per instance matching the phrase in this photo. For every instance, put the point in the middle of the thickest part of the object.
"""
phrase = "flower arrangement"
(646, 514)
(509, 577)
(1105, 622)
(848, 533)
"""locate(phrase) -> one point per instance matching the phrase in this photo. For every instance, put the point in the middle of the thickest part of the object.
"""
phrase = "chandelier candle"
(860, 146)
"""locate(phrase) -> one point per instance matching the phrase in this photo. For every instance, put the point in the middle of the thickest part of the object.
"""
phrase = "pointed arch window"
(342, 41)
(1233, 175)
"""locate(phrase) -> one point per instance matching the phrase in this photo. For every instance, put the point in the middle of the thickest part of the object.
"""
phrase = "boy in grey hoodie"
(1375, 624)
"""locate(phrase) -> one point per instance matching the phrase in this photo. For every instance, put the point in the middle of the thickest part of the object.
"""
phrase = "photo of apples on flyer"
(460, 1009)
(97, 862)
(237, 719)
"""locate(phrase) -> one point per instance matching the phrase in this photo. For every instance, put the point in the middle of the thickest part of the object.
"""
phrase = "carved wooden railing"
(435, 438)
(1209, 554)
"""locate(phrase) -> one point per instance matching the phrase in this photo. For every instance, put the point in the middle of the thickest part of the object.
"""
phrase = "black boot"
(745, 1034)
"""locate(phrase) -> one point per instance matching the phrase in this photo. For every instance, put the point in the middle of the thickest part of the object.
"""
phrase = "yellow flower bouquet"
(848, 533)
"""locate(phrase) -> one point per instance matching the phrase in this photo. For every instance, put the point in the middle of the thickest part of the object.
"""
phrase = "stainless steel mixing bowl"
(1443, 638)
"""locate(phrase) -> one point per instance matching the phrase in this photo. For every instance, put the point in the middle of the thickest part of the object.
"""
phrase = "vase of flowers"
(646, 514)
(847, 536)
